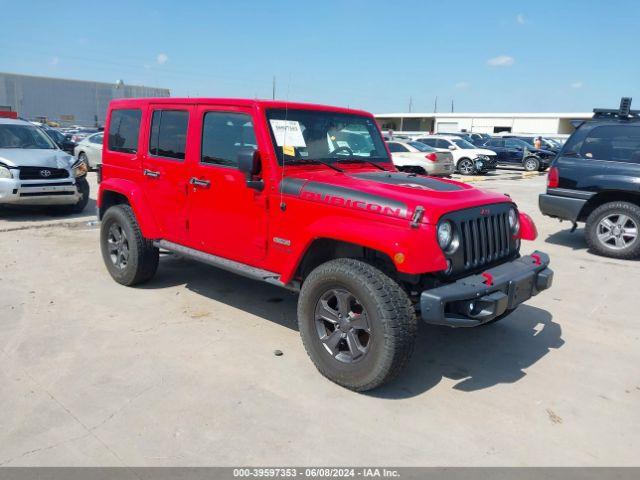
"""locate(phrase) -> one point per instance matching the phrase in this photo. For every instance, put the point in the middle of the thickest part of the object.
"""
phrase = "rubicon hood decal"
(344, 197)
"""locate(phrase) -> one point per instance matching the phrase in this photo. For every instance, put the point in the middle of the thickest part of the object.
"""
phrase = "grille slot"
(35, 173)
(484, 239)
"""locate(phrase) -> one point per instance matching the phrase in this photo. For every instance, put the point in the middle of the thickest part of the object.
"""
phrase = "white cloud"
(162, 58)
(462, 85)
(53, 61)
(520, 19)
(501, 61)
(576, 85)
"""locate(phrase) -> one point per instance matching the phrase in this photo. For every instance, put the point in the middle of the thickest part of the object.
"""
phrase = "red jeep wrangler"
(306, 197)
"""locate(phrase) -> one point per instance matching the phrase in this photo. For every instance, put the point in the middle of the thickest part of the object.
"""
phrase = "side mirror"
(250, 164)
(452, 147)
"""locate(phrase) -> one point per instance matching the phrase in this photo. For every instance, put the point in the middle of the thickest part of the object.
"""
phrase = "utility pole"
(435, 105)
(273, 88)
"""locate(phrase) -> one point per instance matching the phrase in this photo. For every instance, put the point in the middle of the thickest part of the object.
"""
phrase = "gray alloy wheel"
(617, 231)
(531, 164)
(342, 324)
(466, 166)
(118, 246)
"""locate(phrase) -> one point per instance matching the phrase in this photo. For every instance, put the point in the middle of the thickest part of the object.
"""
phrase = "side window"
(512, 144)
(428, 141)
(443, 143)
(494, 142)
(96, 138)
(123, 130)
(169, 133)
(396, 148)
(224, 134)
(619, 143)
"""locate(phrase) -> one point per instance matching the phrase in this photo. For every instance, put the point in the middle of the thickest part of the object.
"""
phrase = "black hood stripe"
(397, 178)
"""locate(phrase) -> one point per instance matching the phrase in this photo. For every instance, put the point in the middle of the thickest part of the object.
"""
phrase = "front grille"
(40, 173)
(484, 239)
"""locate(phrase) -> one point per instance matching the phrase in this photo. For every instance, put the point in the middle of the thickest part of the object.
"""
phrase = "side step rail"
(225, 264)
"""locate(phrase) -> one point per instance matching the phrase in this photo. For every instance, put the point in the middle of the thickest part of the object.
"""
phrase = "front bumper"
(38, 192)
(478, 299)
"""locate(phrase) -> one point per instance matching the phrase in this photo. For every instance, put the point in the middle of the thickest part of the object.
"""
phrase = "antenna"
(273, 88)
(410, 103)
(452, 105)
(435, 105)
(283, 206)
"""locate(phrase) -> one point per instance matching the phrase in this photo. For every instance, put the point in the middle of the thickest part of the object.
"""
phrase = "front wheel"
(466, 166)
(129, 257)
(357, 324)
(612, 230)
(531, 164)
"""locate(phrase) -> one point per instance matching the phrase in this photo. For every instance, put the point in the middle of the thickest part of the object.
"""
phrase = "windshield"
(422, 147)
(24, 136)
(462, 143)
(307, 135)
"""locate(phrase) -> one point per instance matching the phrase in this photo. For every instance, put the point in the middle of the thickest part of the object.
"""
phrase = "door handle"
(196, 182)
(151, 173)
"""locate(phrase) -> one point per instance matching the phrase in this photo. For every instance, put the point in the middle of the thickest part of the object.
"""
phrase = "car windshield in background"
(462, 143)
(308, 135)
(24, 136)
(422, 147)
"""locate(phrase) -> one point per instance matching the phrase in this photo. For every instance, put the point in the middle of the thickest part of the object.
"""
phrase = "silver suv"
(34, 171)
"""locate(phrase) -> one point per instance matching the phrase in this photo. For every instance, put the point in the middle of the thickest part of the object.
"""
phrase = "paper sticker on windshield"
(289, 150)
(287, 132)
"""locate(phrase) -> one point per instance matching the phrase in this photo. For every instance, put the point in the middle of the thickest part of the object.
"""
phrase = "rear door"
(163, 162)
(226, 218)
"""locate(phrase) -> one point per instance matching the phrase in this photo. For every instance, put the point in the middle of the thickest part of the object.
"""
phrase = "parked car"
(89, 150)
(513, 151)
(82, 133)
(34, 171)
(62, 141)
(286, 194)
(594, 179)
(416, 157)
(467, 157)
(530, 140)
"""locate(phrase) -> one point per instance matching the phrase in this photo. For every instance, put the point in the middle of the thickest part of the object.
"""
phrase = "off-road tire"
(391, 316)
(143, 256)
(629, 209)
(531, 164)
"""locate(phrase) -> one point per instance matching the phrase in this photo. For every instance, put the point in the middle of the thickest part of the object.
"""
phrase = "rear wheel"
(612, 230)
(531, 164)
(357, 324)
(466, 166)
(129, 257)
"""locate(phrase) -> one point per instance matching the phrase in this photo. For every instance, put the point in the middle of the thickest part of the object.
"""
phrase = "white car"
(416, 157)
(464, 153)
(89, 150)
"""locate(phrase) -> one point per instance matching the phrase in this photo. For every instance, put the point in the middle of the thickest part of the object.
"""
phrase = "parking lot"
(182, 371)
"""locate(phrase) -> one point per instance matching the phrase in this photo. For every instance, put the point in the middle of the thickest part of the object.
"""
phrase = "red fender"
(528, 230)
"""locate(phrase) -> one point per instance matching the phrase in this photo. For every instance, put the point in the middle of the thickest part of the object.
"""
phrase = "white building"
(523, 123)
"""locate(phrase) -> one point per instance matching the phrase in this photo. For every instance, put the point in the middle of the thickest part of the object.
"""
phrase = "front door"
(515, 151)
(163, 163)
(226, 218)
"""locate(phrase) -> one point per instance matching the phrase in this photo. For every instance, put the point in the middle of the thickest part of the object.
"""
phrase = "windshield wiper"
(360, 160)
(322, 162)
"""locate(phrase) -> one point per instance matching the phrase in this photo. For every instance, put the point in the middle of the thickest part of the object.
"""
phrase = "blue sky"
(511, 56)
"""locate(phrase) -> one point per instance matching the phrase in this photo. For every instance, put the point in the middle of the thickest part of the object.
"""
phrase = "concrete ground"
(181, 371)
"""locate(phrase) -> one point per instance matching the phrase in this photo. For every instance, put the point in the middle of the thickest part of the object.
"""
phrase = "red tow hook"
(536, 258)
(488, 278)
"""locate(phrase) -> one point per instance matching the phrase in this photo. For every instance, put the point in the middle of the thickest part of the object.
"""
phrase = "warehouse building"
(550, 124)
(64, 101)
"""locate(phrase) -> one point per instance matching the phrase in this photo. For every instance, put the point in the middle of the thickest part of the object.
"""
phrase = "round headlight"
(514, 221)
(445, 235)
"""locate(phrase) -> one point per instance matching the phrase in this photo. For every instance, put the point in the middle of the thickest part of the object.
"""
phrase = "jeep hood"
(394, 194)
(32, 157)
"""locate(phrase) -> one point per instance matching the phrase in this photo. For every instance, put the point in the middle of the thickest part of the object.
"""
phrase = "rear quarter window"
(618, 143)
(124, 129)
